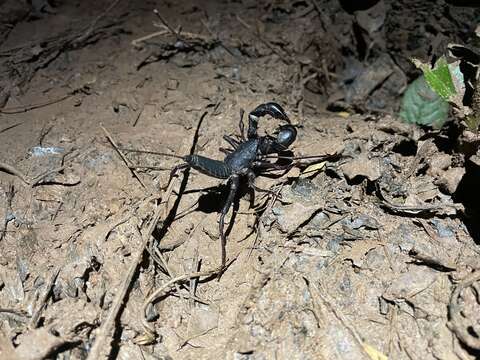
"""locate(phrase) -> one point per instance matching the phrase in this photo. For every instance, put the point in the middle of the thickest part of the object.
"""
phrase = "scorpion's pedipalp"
(270, 108)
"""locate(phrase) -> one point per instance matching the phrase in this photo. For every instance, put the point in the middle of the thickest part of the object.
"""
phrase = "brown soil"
(370, 252)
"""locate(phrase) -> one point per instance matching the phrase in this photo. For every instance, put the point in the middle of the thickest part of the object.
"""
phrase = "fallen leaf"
(374, 353)
(313, 169)
(343, 114)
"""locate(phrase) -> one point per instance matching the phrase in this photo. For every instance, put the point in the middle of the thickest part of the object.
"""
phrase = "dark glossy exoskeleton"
(246, 156)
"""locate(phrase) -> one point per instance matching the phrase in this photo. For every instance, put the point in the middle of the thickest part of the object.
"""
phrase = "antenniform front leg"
(270, 108)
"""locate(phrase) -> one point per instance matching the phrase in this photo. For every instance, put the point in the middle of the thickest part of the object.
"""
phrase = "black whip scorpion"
(247, 157)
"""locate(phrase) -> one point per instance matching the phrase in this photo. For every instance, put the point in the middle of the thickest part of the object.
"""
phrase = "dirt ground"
(369, 251)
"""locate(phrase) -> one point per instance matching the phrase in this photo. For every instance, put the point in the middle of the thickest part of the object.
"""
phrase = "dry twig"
(415, 210)
(23, 109)
(286, 58)
(155, 295)
(106, 329)
(39, 178)
(322, 294)
(194, 281)
(9, 194)
(10, 127)
(91, 27)
(14, 171)
(43, 301)
(124, 158)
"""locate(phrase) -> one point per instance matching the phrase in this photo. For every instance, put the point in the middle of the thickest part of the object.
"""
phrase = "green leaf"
(421, 105)
(438, 78)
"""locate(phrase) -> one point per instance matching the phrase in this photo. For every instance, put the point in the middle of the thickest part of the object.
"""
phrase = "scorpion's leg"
(225, 151)
(270, 108)
(234, 183)
(231, 141)
(251, 182)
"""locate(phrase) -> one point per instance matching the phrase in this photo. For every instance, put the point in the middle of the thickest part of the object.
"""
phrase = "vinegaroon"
(247, 157)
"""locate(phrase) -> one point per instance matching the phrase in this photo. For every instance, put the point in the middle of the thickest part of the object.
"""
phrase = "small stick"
(138, 117)
(187, 34)
(148, 37)
(43, 301)
(9, 194)
(10, 127)
(286, 59)
(92, 25)
(19, 315)
(168, 270)
(323, 18)
(105, 330)
(216, 38)
(14, 171)
(193, 337)
(127, 162)
(323, 295)
(418, 209)
(23, 109)
(166, 24)
(193, 281)
(183, 277)
(40, 177)
(319, 157)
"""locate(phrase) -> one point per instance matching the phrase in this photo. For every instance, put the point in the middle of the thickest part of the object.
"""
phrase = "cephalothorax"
(248, 155)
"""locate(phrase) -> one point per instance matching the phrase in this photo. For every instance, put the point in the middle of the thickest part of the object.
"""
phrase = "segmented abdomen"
(208, 166)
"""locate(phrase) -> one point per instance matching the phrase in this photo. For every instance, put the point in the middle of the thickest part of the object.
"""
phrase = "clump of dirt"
(367, 250)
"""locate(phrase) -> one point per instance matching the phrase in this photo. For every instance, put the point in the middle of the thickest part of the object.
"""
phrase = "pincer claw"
(271, 108)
